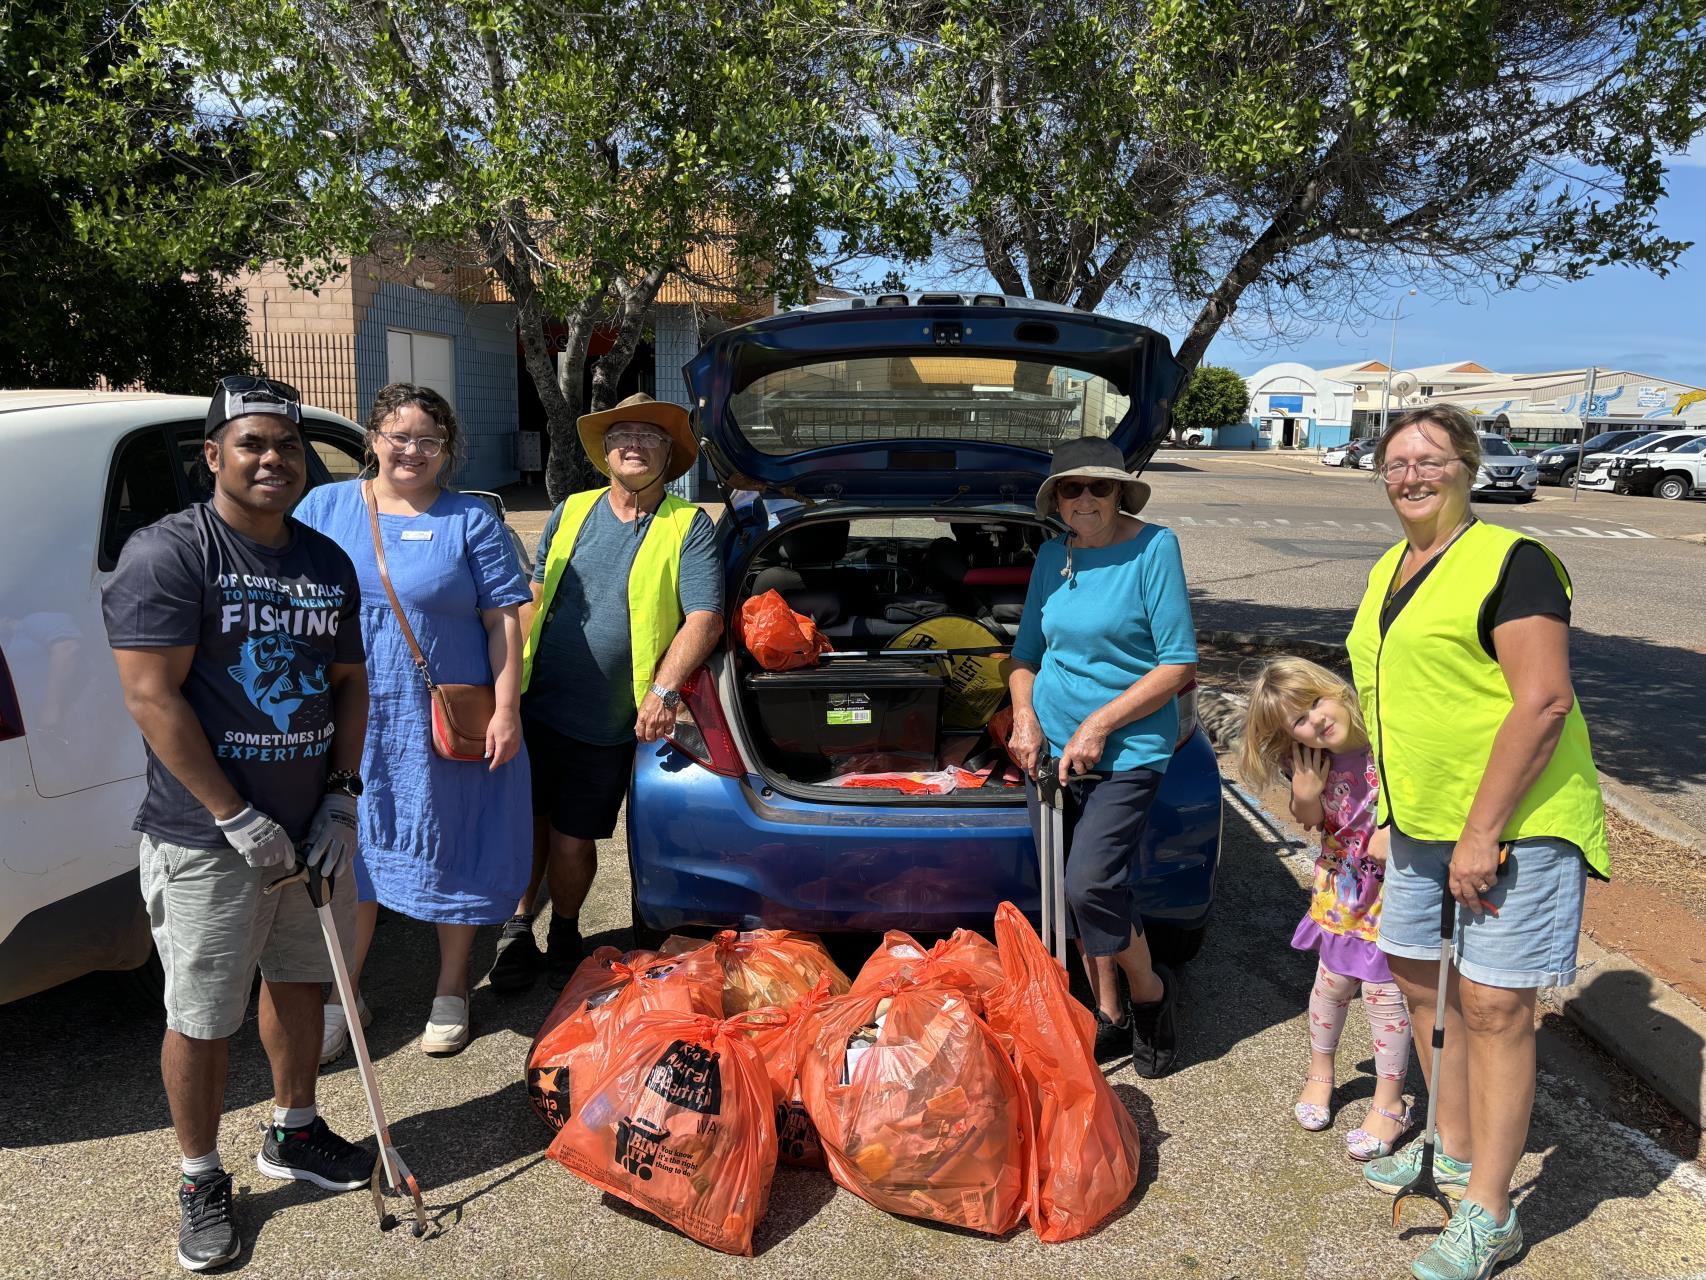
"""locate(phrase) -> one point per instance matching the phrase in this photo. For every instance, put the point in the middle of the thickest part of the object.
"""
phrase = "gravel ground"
(1231, 1187)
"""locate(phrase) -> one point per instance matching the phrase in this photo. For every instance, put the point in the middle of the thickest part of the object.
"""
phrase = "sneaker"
(207, 1229)
(1392, 1173)
(316, 1155)
(563, 951)
(518, 960)
(447, 1027)
(1471, 1247)
(1113, 1039)
(334, 1034)
(1154, 1030)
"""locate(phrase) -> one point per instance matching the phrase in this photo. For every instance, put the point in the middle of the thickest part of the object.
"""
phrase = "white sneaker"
(447, 1027)
(334, 1036)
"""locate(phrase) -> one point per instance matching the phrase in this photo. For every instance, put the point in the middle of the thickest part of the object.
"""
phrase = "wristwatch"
(670, 698)
(347, 781)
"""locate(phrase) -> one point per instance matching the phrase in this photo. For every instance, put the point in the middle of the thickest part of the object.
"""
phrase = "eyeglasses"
(1425, 469)
(426, 446)
(1070, 489)
(634, 440)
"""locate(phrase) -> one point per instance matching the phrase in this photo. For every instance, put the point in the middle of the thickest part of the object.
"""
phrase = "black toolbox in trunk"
(849, 707)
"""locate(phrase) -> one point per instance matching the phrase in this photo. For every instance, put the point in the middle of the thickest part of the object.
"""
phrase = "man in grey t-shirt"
(628, 604)
(238, 643)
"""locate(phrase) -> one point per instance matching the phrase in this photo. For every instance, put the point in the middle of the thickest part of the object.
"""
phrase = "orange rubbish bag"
(1086, 1145)
(923, 1114)
(771, 968)
(777, 637)
(681, 1123)
(964, 959)
(780, 1046)
(606, 991)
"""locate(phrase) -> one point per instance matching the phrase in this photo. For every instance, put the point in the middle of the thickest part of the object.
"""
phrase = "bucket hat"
(1091, 458)
(671, 419)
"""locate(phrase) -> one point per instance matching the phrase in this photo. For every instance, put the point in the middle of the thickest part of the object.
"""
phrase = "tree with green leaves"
(1288, 163)
(579, 151)
(1212, 396)
(81, 311)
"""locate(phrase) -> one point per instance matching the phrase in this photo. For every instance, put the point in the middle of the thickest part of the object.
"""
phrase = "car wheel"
(1172, 945)
(1671, 488)
(1568, 478)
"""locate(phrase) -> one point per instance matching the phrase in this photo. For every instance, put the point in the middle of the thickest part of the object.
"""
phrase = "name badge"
(415, 535)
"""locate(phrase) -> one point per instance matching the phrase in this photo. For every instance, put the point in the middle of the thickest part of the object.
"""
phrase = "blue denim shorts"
(1531, 943)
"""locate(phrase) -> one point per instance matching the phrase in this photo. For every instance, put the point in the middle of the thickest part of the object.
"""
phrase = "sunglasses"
(241, 394)
(1070, 489)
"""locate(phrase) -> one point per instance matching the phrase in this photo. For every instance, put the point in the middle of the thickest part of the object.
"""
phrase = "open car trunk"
(922, 608)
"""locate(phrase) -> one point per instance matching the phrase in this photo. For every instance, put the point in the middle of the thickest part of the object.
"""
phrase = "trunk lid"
(926, 397)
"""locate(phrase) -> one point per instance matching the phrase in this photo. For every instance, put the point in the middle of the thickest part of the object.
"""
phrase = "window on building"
(425, 359)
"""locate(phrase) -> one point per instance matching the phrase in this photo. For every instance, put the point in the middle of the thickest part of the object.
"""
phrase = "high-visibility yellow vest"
(654, 599)
(1433, 699)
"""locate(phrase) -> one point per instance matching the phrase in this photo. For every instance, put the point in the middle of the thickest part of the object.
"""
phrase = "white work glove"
(261, 841)
(332, 835)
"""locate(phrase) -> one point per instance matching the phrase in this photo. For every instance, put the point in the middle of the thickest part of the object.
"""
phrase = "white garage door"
(426, 359)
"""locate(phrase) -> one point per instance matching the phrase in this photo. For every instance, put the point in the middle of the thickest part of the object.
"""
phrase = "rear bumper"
(715, 851)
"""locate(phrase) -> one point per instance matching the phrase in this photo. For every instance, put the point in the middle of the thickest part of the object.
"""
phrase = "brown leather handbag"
(460, 712)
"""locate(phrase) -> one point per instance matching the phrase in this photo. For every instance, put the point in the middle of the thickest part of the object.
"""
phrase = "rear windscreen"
(982, 399)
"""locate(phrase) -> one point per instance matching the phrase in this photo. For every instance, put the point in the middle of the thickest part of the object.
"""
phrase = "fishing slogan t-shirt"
(267, 624)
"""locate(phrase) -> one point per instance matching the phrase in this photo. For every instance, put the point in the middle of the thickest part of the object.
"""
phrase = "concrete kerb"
(1633, 1015)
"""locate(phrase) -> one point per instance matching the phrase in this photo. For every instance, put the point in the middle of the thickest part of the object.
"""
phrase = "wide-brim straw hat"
(1091, 459)
(671, 419)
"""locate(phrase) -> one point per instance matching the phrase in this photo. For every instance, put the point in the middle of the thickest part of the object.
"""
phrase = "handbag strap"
(390, 591)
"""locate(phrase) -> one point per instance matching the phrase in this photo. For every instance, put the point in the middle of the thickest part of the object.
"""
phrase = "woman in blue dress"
(445, 841)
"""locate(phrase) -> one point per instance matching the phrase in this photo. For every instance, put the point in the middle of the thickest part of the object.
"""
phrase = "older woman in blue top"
(1106, 644)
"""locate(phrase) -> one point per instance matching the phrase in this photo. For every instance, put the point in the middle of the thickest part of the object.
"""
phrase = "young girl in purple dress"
(1303, 727)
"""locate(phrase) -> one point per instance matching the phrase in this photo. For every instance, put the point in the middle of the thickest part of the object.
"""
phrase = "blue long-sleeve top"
(1122, 613)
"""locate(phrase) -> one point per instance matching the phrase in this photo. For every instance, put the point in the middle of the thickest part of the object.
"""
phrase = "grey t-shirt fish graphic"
(267, 624)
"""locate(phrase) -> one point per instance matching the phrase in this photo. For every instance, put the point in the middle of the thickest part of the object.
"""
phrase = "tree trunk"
(636, 297)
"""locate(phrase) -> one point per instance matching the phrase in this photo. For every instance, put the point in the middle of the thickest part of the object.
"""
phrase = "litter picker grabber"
(1423, 1186)
(390, 1162)
(1051, 852)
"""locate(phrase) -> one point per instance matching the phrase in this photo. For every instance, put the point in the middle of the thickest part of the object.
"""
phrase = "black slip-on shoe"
(207, 1227)
(1113, 1039)
(563, 951)
(518, 960)
(1154, 1030)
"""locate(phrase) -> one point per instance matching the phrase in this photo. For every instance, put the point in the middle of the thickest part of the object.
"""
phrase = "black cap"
(240, 395)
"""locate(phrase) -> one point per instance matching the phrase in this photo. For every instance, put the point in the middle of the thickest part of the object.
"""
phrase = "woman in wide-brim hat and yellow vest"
(628, 604)
(1460, 652)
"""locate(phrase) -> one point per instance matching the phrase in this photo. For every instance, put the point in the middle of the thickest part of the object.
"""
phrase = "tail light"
(1187, 699)
(702, 730)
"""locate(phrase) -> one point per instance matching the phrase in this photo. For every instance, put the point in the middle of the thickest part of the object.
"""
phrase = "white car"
(79, 473)
(1596, 472)
(1504, 473)
(1350, 454)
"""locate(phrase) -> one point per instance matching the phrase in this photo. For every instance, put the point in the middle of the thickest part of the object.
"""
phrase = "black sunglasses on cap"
(242, 394)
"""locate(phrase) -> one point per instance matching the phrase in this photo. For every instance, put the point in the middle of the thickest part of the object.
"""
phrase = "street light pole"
(1391, 356)
(1582, 433)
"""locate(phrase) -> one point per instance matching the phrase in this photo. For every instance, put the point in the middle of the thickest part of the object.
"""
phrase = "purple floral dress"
(1344, 906)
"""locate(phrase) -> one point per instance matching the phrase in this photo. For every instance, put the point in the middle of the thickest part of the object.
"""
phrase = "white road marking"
(1626, 533)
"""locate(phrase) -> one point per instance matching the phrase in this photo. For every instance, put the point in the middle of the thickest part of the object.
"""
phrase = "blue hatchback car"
(882, 457)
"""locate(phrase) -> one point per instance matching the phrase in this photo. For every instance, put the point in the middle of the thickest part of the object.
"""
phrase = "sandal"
(1363, 1146)
(1313, 1116)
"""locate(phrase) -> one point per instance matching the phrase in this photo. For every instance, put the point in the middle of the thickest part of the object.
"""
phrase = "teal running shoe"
(1392, 1173)
(1471, 1247)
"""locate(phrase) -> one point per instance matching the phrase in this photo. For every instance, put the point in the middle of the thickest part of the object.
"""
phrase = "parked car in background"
(79, 473)
(1596, 470)
(883, 461)
(1673, 475)
(1346, 455)
(1365, 459)
(1558, 464)
(1504, 473)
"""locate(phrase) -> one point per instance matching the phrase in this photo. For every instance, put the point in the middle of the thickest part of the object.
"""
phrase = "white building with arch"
(1292, 407)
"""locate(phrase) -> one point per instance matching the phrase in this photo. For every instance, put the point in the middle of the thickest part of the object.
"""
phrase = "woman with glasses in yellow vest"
(1460, 652)
(627, 604)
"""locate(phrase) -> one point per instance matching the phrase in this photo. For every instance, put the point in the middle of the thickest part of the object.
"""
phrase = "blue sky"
(1618, 318)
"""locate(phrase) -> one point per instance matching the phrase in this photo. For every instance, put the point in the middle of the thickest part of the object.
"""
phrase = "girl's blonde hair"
(1284, 690)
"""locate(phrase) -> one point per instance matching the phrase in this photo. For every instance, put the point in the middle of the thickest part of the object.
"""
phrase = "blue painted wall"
(484, 343)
